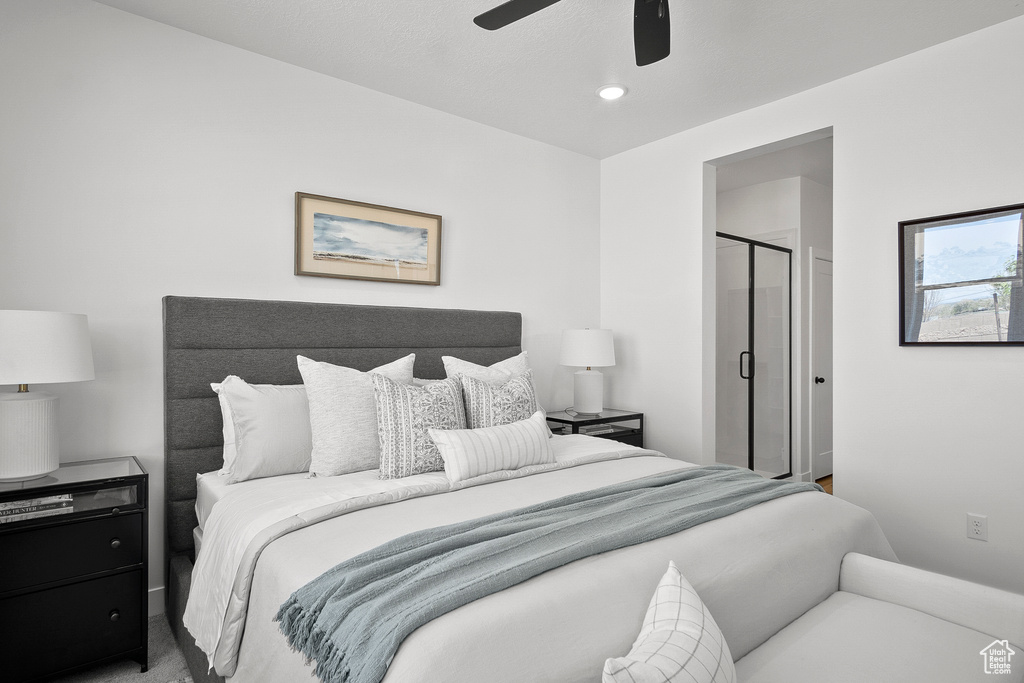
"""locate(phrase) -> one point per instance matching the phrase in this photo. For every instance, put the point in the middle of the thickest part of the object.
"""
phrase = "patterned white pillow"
(404, 414)
(469, 453)
(498, 373)
(343, 414)
(679, 641)
(491, 405)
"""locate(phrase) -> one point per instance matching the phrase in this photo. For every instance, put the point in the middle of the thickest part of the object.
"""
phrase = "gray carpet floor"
(166, 665)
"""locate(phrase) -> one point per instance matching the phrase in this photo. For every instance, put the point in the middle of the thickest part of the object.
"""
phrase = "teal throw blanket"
(352, 619)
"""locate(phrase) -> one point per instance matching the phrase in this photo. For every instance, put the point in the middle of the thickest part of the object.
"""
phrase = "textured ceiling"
(538, 77)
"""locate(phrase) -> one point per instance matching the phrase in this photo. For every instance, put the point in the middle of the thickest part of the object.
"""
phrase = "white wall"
(137, 160)
(922, 435)
(761, 209)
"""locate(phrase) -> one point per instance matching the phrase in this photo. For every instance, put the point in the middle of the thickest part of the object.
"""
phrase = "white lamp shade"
(41, 347)
(587, 348)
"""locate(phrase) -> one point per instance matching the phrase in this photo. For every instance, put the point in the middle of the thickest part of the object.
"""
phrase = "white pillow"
(343, 414)
(490, 405)
(271, 428)
(678, 643)
(228, 430)
(404, 414)
(498, 373)
(469, 453)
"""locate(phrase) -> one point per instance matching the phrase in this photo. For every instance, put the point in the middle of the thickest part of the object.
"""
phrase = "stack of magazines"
(32, 508)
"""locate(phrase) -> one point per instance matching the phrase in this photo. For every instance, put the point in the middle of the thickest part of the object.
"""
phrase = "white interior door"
(821, 365)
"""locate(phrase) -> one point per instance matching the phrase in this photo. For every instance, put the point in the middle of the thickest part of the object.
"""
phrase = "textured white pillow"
(404, 414)
(469, 453)
(490, 405)
(271, 428)
(343, 414)
(678, 643)
(498, 373)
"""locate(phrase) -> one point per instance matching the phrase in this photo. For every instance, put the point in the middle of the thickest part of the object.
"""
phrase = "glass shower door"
(753, 387)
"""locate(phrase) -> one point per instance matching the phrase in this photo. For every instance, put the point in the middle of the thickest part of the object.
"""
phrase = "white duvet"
(246, 520)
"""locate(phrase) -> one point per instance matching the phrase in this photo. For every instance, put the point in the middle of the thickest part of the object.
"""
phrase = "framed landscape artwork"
(347, 239)
(962, 278)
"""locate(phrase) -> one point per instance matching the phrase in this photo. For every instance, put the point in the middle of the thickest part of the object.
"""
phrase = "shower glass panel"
(754, 348)
(732, 333)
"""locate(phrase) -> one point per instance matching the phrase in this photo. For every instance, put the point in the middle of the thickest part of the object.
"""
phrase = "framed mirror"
(962, 278)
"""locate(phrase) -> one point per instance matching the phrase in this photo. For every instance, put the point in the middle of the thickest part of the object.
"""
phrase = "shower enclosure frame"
(752, 245)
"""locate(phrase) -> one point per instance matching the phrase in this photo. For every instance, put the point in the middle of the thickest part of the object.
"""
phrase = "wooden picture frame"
(358, 241)
(962, 278)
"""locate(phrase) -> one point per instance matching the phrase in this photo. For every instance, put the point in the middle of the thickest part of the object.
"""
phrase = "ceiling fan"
(650, 24)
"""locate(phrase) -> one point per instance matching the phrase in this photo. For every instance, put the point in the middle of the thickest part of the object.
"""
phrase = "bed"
(559, 626)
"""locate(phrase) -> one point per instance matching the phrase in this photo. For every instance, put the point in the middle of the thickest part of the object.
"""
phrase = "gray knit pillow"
(404, 414)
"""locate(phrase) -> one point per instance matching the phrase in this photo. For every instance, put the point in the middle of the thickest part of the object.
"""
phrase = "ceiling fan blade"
(651, 27)
(506, 13)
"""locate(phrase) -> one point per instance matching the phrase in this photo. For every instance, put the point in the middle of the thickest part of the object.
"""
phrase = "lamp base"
(588, 392)
(28, 435)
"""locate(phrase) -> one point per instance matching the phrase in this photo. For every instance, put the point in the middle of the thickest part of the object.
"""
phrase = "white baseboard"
(156, 601)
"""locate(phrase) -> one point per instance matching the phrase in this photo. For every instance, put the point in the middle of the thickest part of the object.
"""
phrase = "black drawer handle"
(114, 511)
(115, 543)
(114, 615)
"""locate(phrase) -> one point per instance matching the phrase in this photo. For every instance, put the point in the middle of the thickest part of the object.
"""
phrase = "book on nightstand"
(32, 508)
(594, 430)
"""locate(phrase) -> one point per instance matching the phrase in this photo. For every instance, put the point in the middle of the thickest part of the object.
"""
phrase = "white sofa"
(893, 623)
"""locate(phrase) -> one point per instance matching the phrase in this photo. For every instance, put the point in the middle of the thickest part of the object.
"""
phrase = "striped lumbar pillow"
(468, 453)
(679, 641)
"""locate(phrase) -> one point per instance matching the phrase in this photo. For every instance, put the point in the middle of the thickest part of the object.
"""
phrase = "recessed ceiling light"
(611, 92)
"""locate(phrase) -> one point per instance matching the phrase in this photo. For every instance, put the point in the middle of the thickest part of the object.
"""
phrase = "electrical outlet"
(977, 527)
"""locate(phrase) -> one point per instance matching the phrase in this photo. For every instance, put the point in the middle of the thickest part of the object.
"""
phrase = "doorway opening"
(780, 195)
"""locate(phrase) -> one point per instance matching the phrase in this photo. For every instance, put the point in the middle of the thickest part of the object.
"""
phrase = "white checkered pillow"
(469, 453)
(679, 641)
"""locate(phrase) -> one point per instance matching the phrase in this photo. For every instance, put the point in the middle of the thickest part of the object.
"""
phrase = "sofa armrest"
(996, 612)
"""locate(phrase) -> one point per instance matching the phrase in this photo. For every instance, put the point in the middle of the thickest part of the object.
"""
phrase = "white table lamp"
(588, 348)
(37, 347)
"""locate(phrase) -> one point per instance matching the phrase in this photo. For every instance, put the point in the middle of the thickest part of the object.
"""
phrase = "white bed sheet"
(756, 570)
(247, 519)
(211, 487)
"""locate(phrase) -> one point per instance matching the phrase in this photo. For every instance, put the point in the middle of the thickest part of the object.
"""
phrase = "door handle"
(750, 365)
(819, 380)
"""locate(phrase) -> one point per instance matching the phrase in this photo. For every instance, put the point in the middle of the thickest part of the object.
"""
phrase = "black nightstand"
(621, 425)
(73, 575)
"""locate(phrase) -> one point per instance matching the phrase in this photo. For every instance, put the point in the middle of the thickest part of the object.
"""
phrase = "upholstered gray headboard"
(206, 340)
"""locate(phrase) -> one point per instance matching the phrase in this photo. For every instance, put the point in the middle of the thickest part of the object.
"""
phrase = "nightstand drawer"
(42, 555)
(67, 625)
